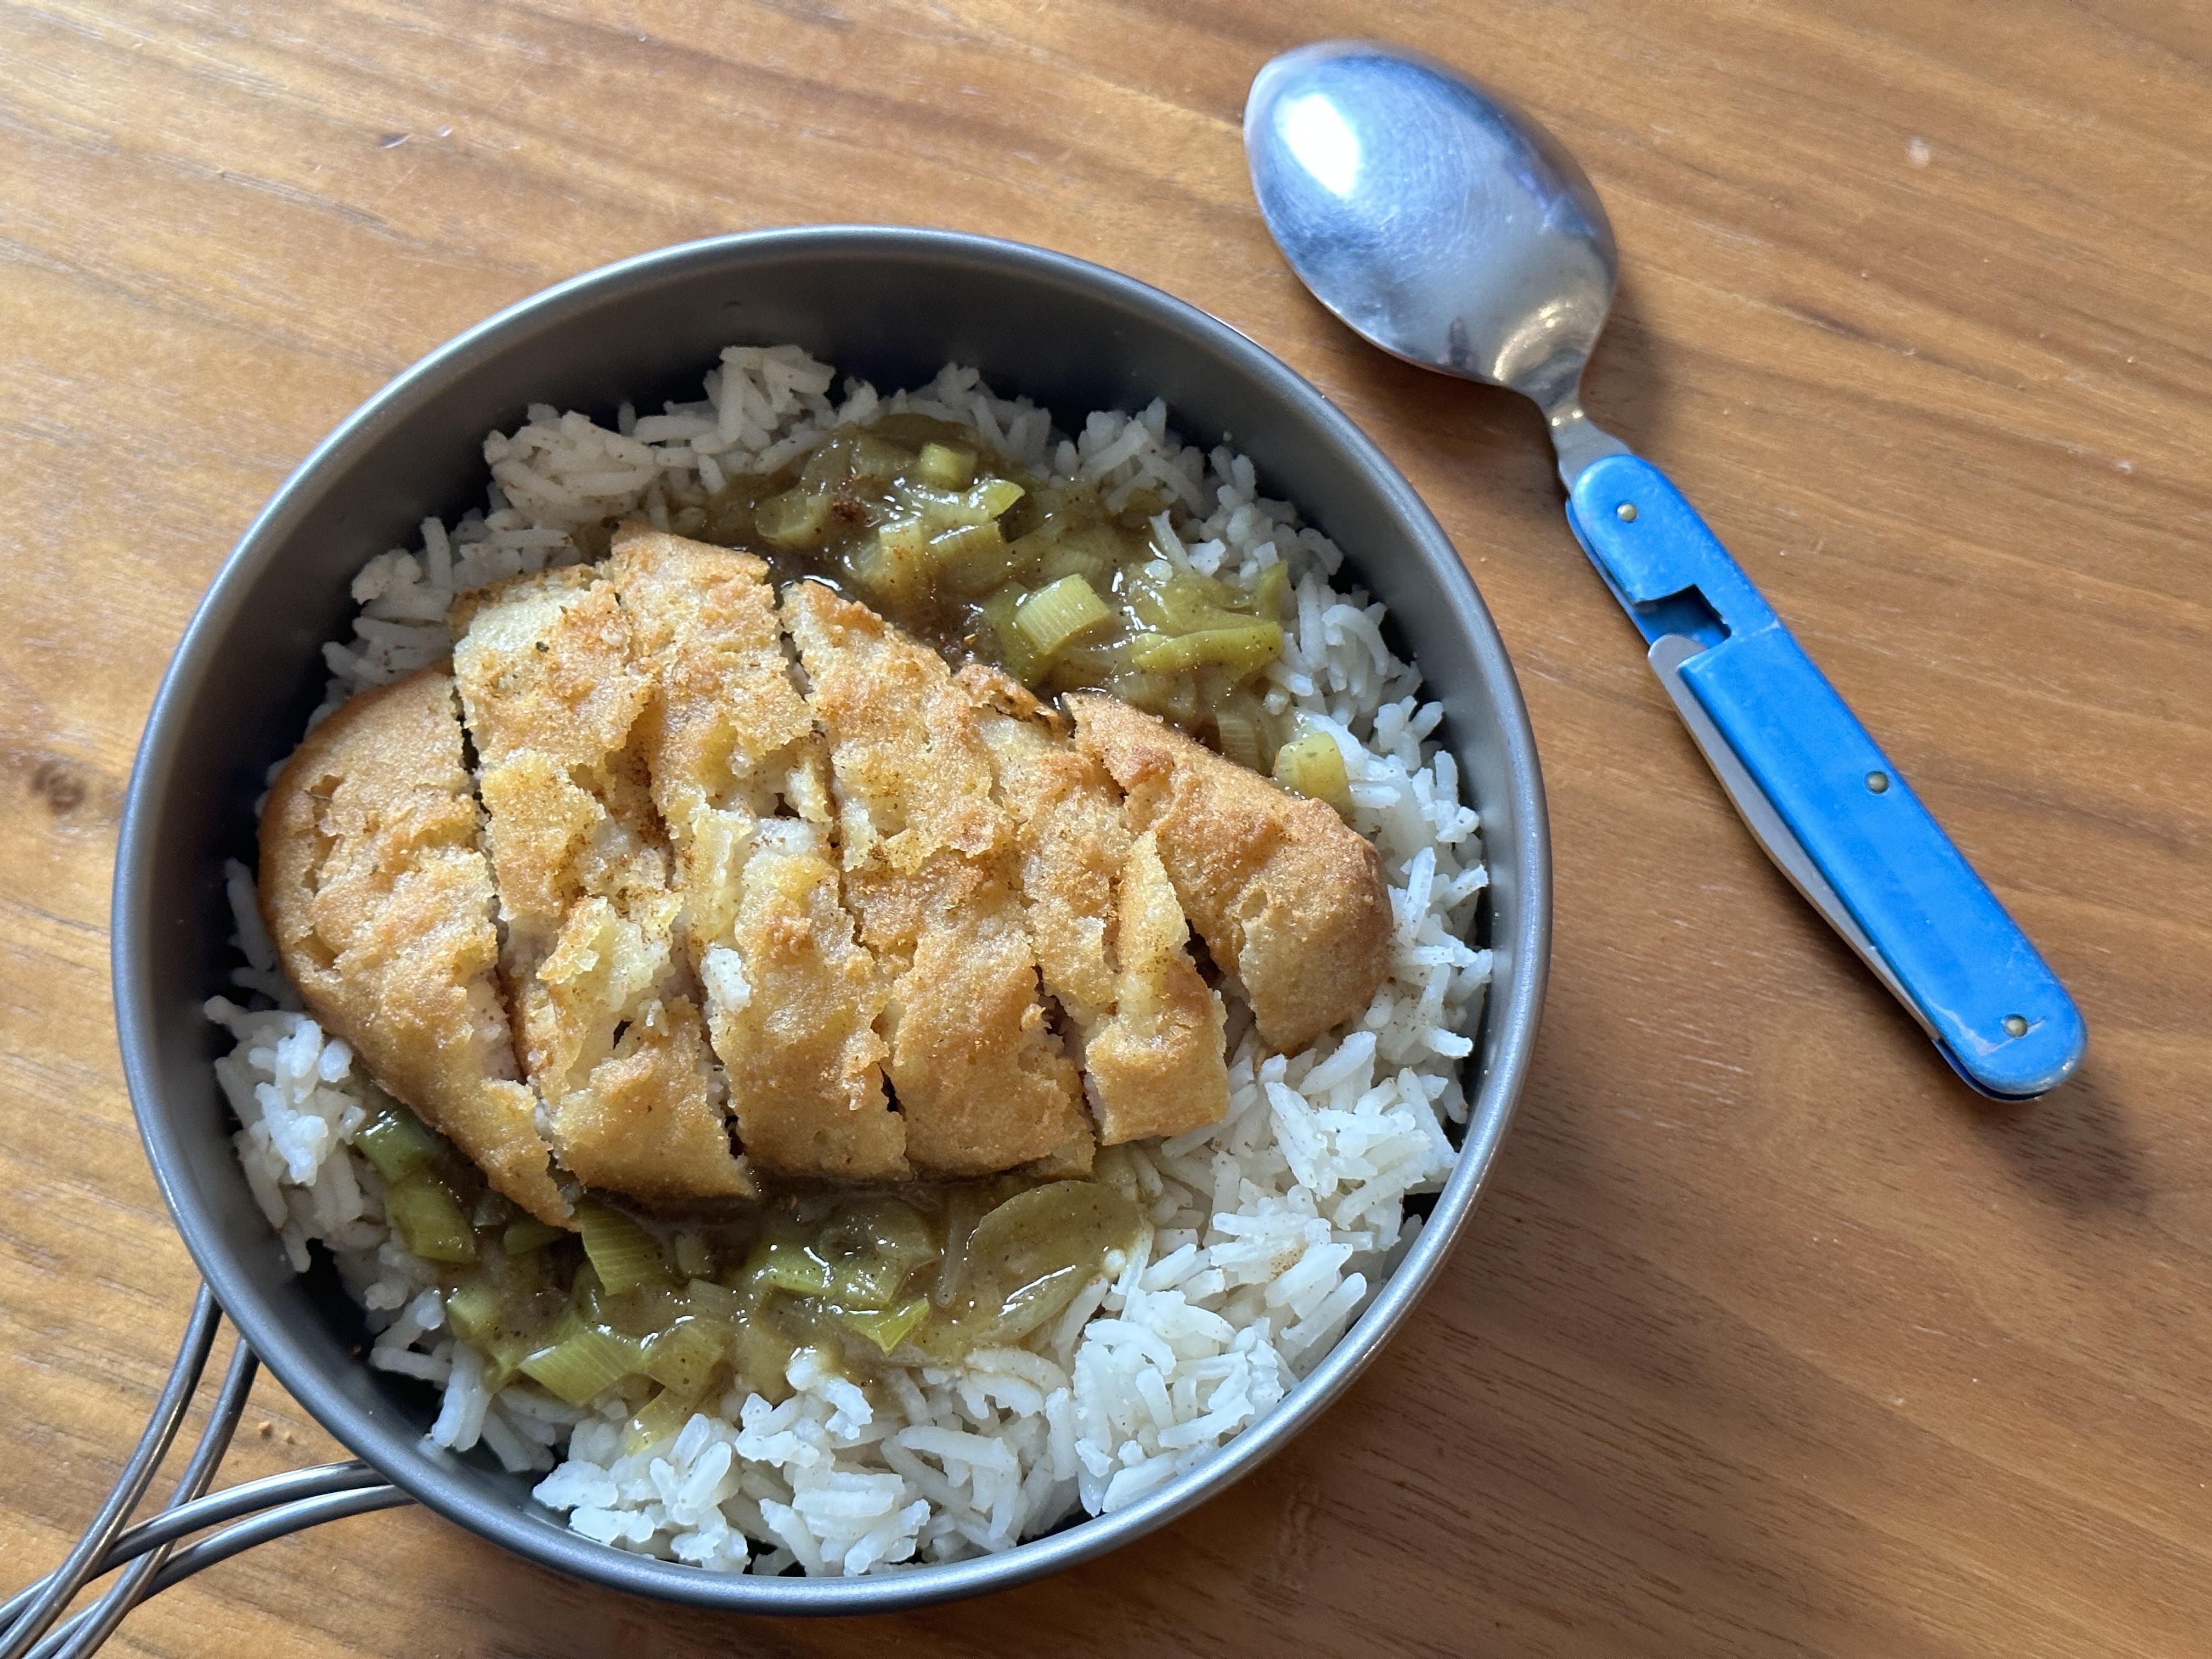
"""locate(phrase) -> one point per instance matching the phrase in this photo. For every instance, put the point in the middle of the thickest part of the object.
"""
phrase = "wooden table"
(1768, 1337)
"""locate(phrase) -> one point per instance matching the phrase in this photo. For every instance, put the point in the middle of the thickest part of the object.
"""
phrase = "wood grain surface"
(1768, 1338)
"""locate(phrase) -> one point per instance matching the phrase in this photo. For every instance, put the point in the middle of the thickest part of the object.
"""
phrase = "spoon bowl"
(1434, 218)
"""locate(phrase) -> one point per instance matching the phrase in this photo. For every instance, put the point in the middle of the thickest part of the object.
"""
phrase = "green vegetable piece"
(964, 548)
(1158, 694)
(1027, 1260)
(663, 1418)
(874, 459)
(782, 1265)
(717, 1301)
(764, 1357)
(1312, 764)
(1187, 602)
(503, 1363)
(623, 1252)
(1052, 616)
(987, 566)
(582, 1366)
(995, 496)
(646, 1309)
(895, 1230)
(829, 465)
(688, 1248)
(500, 1316)
(794, 518)
(570, 1323)
(1241, 728)
(860, 1258)
(1243, 650)
(526, 1233)
(586, 1296)
(888, 1327)
(397, 1143)
(474, 1311)
(894, 569)
(1271, 590)
(1068, 556)
(684, 1356)
(872, 1249)
(1015, 651)
(965, 1207)
(945, 466)
(428, 1220)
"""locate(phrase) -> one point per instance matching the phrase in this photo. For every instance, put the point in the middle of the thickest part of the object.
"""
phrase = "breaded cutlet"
(1111, 936)
(739, 774)
(931, 869)
(608, 1030)
(381, 908)
(1286, 897)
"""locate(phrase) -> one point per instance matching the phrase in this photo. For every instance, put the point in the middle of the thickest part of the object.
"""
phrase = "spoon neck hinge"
(1575, 439)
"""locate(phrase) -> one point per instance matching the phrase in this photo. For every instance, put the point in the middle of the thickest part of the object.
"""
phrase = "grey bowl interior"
(891, 306)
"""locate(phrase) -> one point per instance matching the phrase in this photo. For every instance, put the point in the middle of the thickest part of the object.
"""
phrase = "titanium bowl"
(892, 306)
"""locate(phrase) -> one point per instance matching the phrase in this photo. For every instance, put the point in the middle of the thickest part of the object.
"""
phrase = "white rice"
(1269, 1230)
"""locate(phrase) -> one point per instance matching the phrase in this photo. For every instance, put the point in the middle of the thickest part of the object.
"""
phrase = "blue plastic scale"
(1817, 791)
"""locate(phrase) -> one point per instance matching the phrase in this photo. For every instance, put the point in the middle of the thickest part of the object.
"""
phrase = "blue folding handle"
(1985, 995)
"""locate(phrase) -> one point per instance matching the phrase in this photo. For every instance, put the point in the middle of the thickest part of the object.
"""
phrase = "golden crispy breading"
(1286, 897)
(602, 1005)
(724, 725)
(543, 665)
(650, 1122)
(980, 1077)
(795, 1003)
(1157, 1068)
(1111, 936)
(912, 775)
(381, 908)
(1068, 826)
(931, 867)
(792, 999)
(546, 686)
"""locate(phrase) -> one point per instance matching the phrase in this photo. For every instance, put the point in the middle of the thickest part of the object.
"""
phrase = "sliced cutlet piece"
(1067, 822)
(1287, 898)
(1111, 938)
(796, 1001)
(932, 870)
(740, 776)
(381, 908)
(724, 727)
(1159, 1067)
(608, 1030)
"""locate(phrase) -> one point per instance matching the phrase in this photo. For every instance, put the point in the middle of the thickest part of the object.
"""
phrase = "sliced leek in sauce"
(921, 518)
(676, 1316)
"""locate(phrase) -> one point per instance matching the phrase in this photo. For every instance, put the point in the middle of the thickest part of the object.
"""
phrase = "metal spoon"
(1447, 228)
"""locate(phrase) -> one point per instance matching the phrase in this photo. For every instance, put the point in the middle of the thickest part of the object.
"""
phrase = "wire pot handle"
(148, 1553)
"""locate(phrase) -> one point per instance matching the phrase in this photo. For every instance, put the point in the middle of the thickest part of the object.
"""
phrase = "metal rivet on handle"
(1878, 782)
(1626, 512)
(2014, 1025)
